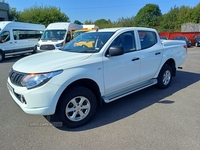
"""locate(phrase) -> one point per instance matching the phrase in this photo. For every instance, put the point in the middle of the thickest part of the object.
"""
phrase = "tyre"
(34, 49)
(76, 107)
(164, 77)
(1, 56)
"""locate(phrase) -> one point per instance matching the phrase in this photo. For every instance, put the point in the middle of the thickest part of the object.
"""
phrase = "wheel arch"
(88, 83)
(170, 62)
(3, 54)
(2, 51)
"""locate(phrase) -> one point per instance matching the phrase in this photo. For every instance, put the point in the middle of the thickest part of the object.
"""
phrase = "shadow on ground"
(129, 105)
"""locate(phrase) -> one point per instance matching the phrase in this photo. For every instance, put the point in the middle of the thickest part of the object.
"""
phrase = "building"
(190, 27)
(4, 9)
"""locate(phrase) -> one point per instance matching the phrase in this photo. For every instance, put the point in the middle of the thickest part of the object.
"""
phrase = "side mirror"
(115, 51)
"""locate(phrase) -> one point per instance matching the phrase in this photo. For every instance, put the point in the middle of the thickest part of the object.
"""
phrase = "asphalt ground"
(150, 119)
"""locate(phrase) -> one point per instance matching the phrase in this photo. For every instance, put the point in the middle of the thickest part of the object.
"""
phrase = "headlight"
(34, 80)
(59, 45)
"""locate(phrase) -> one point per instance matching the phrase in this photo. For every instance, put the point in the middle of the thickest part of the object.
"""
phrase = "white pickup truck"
(97, 66)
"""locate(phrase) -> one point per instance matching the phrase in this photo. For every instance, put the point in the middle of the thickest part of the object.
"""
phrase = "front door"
(122, 71)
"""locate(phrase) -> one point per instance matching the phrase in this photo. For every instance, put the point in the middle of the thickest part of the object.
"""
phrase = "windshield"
(89, 42)
(198, 37)
(53, 35)
(180, 38)
(163, 37)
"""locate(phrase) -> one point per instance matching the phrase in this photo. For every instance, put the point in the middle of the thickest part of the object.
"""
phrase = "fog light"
(22, 99)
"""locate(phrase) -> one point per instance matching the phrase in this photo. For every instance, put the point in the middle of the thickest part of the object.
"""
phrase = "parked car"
(163, 38)
(197, 41)
(56, 35)
(183, 38)
(19, 38)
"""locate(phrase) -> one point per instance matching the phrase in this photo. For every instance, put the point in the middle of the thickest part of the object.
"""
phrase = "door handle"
(134, 59)
(157, 53)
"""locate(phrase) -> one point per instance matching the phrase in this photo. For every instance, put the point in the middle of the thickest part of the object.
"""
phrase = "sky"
(93, 10)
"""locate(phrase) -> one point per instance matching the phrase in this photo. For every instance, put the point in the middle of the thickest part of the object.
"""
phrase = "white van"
(18, 38)
(57, 35)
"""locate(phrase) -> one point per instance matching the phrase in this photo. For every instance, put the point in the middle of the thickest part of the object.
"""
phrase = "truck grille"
(16, 77)
(47, 47)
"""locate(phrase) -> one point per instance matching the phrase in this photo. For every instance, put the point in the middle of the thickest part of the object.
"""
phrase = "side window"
(147, 39)
(4, 36)
(73, 33)
(26, 34)
(16, 34)
(125, 40)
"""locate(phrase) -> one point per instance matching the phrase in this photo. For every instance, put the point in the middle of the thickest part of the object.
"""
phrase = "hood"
(48, 61)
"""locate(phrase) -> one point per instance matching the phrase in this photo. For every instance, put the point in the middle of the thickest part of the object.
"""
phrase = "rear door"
(151, 54)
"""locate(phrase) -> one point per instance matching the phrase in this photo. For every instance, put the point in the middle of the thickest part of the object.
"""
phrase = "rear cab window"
(147, 39)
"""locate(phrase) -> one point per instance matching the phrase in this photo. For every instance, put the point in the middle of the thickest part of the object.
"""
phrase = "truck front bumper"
(37, 101)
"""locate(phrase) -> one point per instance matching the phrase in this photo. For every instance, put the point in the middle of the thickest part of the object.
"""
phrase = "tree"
(88, 22)
(13, 14)
(42, 15)
(148, 16)
(77, 22)
(184, 15)
(103, 23)
(170, 20)
(196, 14)
(124, 22)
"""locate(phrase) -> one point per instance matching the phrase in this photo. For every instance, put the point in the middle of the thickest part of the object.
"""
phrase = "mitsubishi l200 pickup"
(73, 81)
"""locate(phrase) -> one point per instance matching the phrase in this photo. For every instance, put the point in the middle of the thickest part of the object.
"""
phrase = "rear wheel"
(164, 77)
(76, 107)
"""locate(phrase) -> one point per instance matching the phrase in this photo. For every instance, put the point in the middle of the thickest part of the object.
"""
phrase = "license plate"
(10, 88)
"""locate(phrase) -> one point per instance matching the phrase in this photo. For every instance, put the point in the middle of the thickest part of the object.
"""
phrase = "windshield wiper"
(87, 51)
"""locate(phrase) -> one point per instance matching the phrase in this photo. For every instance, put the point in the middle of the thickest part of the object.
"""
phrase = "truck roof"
(124, 28)
(89, 26)
(63, 25)
(20, 25)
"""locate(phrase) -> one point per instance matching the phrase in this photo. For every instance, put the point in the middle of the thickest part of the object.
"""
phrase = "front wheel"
(34, 49)
(1, 56)
(76, 107)
(164, 77)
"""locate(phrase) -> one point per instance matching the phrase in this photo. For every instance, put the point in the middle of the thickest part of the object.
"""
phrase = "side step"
(128, 91)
